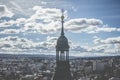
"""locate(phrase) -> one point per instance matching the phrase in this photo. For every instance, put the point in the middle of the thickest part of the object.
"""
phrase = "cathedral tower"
(62, 70)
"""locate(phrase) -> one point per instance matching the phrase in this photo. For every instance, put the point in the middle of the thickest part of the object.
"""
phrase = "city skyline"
(32, 27)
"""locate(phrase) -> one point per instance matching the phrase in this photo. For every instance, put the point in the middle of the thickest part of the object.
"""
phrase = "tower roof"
(62, 42)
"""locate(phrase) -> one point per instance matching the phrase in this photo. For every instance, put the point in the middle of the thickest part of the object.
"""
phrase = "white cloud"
(112, 40)
(82, 24)
(88, 25)
(113, 44)
(16, 22)
(5, 12)
(18, 7)
(74, 9)
(90, 49)
(51, 38)
(10, 31)
(46, 14)
(16, 44)
(101, 46)
(47, 20)
(106, 29)
(117, 45)
(79, 48)
(41, 28)
(118, 29)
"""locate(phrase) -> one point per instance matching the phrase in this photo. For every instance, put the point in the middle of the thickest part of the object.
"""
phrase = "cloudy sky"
(33, 26)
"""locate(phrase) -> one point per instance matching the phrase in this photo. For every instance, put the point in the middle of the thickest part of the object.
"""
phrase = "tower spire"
(62, 70)
(62, 21)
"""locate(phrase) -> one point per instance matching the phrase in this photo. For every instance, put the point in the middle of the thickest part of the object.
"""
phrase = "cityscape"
(29, 67)
(59, 40)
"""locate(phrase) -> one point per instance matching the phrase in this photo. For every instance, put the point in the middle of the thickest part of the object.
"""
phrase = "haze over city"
(32, 27)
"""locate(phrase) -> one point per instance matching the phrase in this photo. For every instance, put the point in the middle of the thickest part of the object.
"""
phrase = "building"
(62, 70)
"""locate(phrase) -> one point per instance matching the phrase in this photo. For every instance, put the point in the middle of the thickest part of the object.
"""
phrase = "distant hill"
(51, 56)
(26, 55)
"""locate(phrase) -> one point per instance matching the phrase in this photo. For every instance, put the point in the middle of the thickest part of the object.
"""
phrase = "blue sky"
(32, 27)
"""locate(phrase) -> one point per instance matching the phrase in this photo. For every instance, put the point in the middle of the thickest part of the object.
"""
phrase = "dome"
(62, 43)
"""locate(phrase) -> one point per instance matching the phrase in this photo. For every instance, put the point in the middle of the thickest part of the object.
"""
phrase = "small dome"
(62, 43)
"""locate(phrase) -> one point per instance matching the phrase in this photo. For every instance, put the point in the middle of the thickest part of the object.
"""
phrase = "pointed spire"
(62, 21)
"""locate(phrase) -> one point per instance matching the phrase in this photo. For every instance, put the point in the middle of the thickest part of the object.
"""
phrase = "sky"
(33, 26)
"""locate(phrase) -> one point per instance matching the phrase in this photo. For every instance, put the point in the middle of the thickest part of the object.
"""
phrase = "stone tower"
(62, 70)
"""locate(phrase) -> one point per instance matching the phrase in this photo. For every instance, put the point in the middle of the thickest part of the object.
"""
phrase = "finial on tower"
(62, 17)
(62, 21)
